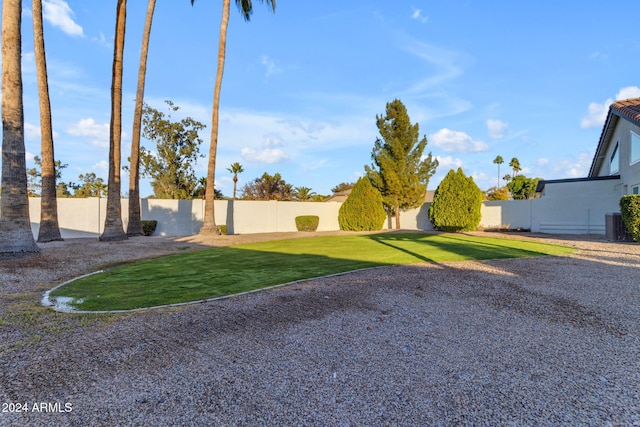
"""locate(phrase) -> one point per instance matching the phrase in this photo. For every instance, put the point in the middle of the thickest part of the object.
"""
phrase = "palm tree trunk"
(134, 228)
(397, 217)
(209, 224)
(15, 225)
(49, 230)
(113, 229)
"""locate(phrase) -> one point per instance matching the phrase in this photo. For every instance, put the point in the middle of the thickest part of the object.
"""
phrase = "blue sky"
(302, 87)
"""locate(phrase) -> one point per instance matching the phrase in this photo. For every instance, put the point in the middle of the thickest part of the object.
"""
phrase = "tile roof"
(628, 109)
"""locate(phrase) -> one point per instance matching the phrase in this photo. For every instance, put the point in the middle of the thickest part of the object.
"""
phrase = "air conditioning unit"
(615, 229)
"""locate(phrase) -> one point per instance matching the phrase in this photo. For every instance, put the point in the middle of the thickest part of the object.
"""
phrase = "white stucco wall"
(564, 208)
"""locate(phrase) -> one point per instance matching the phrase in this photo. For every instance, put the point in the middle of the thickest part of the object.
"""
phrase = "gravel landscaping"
(537, 341)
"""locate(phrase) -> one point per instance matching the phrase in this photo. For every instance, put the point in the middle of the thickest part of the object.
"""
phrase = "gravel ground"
(539, 341)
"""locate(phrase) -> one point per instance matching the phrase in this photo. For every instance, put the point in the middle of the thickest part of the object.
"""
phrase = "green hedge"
(630, 209)
(307, 222)
(456, 203)
(148, 226)
(363, 210)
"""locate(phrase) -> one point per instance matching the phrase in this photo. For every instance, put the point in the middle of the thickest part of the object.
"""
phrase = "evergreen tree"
(363, 210)
(399, 171)
(456, 203)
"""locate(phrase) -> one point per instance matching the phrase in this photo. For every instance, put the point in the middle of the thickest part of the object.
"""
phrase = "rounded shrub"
(456, 203)
(363, 210)
(307, 222)
(148, 226)
(630, 210)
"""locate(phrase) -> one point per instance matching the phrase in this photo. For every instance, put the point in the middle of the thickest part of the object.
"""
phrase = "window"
(614, 162)
(635, 148)
(634, 189)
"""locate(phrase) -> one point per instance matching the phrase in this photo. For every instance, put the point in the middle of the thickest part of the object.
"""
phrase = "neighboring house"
(614, 172)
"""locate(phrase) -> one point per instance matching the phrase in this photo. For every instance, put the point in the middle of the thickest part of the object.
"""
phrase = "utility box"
(615, 229)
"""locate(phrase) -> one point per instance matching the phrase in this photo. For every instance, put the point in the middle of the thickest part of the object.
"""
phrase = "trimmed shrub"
(363, 210)
(148, 226)
(456, 203)
(630, 209)
(307, 222)
(222, 229)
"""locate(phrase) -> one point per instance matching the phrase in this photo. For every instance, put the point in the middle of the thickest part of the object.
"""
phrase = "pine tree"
(399, 172)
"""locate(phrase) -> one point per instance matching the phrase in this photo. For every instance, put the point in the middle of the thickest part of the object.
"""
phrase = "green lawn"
(230, 270)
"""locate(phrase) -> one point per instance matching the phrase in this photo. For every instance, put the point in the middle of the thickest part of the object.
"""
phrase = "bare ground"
(406, 345)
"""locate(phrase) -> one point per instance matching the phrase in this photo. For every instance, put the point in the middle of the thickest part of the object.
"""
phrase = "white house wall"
(629, 173)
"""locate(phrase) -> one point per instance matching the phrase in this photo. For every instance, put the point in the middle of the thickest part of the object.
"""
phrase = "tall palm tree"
(498, 161)
(49, 230)
(515, 165)
(15, 225)
(113, 229)
(134, 228)
(235, 169)
(246, 8)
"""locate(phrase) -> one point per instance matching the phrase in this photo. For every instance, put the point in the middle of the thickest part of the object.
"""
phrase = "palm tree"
(246, 8)
(498, 161)
(507, 177)
(304, 193)
(515, 165)
(49, 230)
(113, 229)
(235, 169)
(15, 225)
(134, 228)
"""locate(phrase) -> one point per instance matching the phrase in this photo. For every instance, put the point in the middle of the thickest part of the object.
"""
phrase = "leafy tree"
(134, 226)
(456, 203)
(268, 187)
(498, 161)
(400, 172)
(364, 208)
(303, 194)
(90, 186)
(49, 230)
(201, 190)
(343, 186)
(15, 225)
(515, 165)
(495, 193)
(177, 150)
(62, 190)
(522, 187)
(113, 228)
(246, 8)
(34, 176)
(235, 169)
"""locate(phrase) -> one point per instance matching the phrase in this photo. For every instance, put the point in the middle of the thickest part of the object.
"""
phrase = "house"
(581, 204)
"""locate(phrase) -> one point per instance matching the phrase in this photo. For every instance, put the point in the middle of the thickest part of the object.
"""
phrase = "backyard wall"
(570, 208)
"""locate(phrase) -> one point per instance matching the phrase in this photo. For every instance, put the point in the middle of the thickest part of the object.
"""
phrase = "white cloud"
(266, 155)
(597, 112)
(496, 128)
(33, 132)
(96, 132)
(270, 66)
(419, 16)
(447, 162)
(453, 141)
(59, 14)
